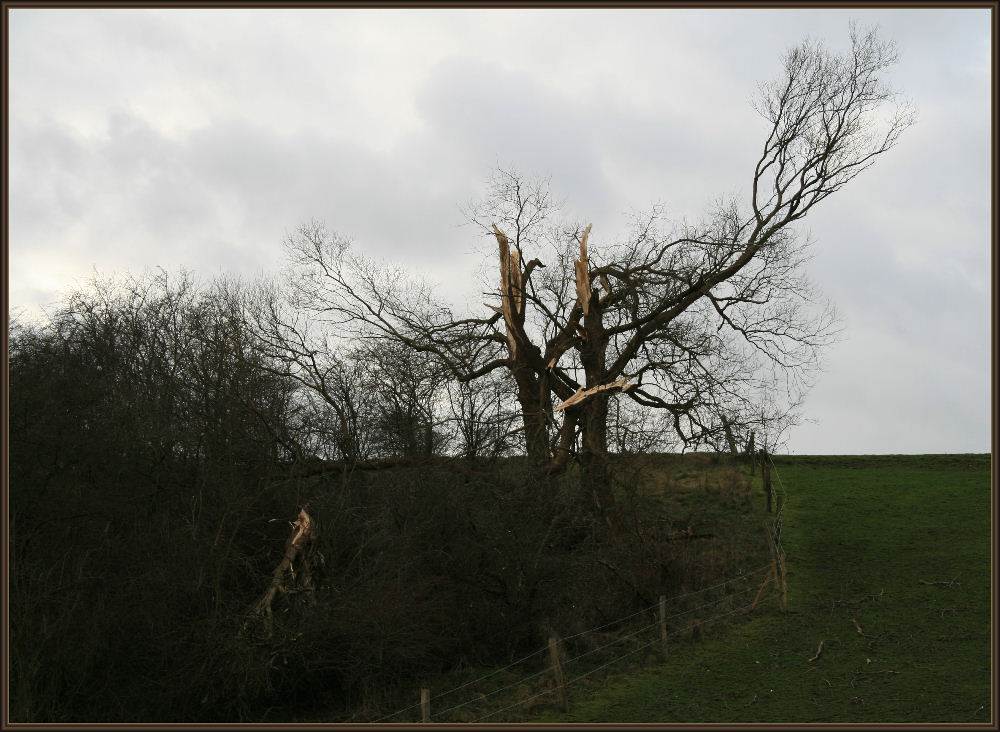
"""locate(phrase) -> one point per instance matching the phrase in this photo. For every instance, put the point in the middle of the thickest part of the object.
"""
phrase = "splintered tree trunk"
(595, 474)
(535, 403)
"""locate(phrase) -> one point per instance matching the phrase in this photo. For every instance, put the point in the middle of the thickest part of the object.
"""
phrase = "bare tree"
(696, 320)
(316, 360)
(483, 416)
(409, 394)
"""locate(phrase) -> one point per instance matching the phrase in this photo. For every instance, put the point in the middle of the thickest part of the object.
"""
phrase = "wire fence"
(628, 641)
(636, 636)
(776, 524)
(613, 661)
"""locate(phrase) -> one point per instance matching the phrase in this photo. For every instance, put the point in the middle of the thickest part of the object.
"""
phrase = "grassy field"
(889, 570)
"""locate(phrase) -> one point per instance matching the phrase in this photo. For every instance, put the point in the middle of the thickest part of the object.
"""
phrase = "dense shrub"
(156, 458)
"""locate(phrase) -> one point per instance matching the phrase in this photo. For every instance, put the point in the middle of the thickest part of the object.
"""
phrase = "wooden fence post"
(425, 705)
(557, 670)
(784, 586)
(777, 566)
(663, 624)
(777, 523)
(765, 472)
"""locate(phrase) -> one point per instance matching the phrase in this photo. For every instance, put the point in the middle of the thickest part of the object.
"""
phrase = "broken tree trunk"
(303, 531)
(590, 402)
(534, 402)
(729, 436)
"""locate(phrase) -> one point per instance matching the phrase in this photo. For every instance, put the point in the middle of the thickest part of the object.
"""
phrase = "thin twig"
(952, 583)
(818, 651)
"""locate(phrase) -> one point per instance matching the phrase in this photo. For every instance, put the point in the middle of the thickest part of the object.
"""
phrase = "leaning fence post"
(760, 592)
(663, 624)
(765, 472)
(784, 586)
(425, 705)
(777, 567)
(557, 670)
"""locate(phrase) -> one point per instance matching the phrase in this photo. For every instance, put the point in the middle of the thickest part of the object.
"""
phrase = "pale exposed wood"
(514, 280)
(583, 274)
(584, 394)
(507, 306)
(303, 531)
(818, 651)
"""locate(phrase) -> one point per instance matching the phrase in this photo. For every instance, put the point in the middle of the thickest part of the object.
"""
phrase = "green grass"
(896, 546)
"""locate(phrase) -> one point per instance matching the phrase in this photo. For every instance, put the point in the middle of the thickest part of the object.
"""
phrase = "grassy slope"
(863, 535)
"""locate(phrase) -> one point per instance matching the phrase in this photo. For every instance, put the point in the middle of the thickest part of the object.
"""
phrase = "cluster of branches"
(154, 432)
(158, 450)
(714, 324)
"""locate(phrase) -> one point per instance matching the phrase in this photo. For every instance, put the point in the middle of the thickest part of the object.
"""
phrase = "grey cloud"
(45, 173)
(166, 137)
(508, 117)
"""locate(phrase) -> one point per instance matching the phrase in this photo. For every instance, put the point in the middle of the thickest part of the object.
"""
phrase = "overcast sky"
(200, 138)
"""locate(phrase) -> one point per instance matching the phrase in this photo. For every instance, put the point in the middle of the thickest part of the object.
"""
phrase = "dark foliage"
(156, 458)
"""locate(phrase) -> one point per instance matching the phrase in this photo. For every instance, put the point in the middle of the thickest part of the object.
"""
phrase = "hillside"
(889, 613)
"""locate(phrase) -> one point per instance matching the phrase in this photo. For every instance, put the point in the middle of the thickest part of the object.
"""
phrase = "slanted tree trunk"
(729, 436)
(303, 531)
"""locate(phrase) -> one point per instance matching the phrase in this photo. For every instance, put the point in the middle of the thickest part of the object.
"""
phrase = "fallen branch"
(584, 394)
(952, 583)
(818, 651)
(860, 632)
(303, 531)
